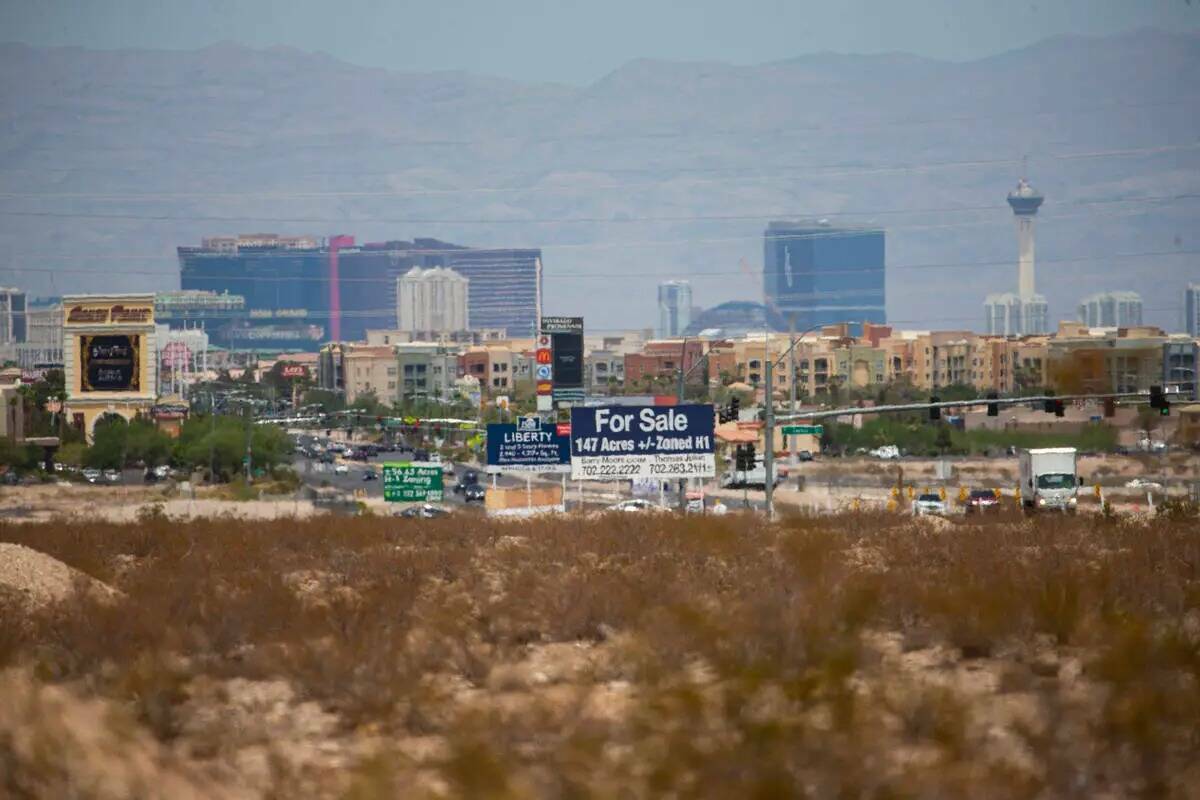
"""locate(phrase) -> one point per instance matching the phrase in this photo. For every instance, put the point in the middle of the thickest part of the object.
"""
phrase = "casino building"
(110, 357)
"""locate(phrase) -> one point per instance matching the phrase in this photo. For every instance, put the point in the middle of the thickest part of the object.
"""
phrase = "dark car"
(474, 493)
(420, 455)
(982, 500)
(11, 478)
(370, 475)
(469, 478)
(804, 455)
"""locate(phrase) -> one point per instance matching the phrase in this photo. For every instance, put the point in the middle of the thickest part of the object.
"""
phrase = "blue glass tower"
(817, 274)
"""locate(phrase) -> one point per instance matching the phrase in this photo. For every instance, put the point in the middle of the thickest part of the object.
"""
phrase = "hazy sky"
(578, 42)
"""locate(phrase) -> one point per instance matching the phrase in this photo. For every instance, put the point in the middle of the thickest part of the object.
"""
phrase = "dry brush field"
(847, 656)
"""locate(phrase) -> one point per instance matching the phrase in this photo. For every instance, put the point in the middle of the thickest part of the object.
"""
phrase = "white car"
(341, 469)
(929, 504)
(886, 452)
(635, 506)
(1143, 483)
(91, 475)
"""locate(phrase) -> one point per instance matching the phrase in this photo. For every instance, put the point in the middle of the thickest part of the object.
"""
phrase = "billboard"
(293, 371)
(565, 336)
(110, 363)
(530, 445)
(627, 443)
(406, 482)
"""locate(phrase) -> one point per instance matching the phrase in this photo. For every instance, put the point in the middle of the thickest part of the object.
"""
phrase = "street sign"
(528, 446)
(624, 443)
(800, 430)
(406, 482)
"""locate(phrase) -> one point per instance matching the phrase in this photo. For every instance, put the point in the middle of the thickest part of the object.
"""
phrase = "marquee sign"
(106, 314)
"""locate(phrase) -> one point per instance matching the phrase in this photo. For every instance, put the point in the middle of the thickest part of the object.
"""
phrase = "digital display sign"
(110, 363)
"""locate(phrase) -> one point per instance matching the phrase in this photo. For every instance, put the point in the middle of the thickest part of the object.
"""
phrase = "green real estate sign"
(406, 482)
(800, 430)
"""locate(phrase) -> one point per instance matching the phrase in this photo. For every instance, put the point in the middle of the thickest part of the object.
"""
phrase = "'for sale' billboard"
(624, 442)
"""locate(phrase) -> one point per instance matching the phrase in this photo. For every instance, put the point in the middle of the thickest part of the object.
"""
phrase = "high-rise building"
(817, 274)
(1191, 308)
(432, 301)
(1025, 312)
(12, 316)
(1111, 310)
(674, 308)
(345, 288)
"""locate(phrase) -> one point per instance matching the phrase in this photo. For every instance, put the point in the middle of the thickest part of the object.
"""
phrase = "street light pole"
(769, 415)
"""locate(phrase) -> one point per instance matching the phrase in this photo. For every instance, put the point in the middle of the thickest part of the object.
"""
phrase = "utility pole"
(249, 436)
(769, 445)
(792, 381)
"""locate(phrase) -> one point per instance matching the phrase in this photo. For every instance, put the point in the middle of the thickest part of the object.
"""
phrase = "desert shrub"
(745, 656)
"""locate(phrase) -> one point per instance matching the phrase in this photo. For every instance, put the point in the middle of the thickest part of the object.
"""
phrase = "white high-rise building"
(674, 308)
(1111, 310)
(432, 301)
(1025, 312)
(1008, 315)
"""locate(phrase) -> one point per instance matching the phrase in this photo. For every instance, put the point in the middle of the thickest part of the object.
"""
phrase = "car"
(886, 452)
(112, 475)
(423, 511)
(469, 478)
(11, 478)
(982, 500)
(150, 476)
(162, 471)
(421, 455)
(929, 504)
(91, 475)
(474, 493)
(635, 506)
(804, 455)
(370, 475)
(436, 458)
(341, 469)
(1143, 483)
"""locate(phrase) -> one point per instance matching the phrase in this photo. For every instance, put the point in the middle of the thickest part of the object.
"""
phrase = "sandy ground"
(124, 503)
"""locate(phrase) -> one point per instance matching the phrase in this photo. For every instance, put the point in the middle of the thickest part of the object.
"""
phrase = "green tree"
(219, 444)
(109, 440)
(146, 443)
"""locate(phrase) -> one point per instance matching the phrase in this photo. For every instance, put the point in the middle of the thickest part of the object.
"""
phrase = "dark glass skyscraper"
(817, 274)
(348, 288)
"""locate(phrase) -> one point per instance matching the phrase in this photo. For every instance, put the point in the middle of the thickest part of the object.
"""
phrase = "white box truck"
(1049, 480)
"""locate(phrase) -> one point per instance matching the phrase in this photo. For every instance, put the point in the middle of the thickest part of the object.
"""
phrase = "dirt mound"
(38, 580)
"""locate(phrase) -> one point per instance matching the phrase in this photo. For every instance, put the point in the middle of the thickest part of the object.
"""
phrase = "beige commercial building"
(371, 370)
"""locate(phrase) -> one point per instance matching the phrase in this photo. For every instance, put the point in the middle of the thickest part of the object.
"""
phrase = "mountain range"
(110, 159)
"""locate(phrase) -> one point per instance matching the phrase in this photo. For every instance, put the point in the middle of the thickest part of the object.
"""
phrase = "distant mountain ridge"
(108, 159)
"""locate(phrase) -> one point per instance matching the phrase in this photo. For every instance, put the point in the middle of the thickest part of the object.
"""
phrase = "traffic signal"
(1159, 400)
(1059, 410)
(935, 413)
(993, 409)
(1049, 404)
(745, 457)
(1110, 407)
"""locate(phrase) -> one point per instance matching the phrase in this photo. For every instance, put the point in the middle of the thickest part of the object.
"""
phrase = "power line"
(1148, 199)
(832, 170)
